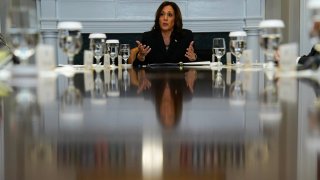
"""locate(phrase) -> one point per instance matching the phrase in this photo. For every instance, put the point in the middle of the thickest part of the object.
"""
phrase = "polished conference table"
(161, 123)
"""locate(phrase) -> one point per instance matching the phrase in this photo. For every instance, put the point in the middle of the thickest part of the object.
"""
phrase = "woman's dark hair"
(177, 13)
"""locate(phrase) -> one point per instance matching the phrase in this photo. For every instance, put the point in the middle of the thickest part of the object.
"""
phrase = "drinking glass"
(22, 28)
(237, 92)
(113, 49)
(113, 85)
(237, 44)
(219, 48)
(70, 39)
(237, 95)
(99, 93)
(219, 85)
(71, 104)
(270, 37)
(125, 79)
(26, 104)
(97, 45)
(270, 107)
(125, 52)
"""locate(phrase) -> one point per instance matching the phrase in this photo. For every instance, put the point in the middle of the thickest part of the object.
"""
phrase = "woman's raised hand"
(143, 51)
(190, 54)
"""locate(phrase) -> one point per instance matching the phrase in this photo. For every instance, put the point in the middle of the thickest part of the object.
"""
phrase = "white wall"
(117, 16)
(305, 20)
(124, 16)
(127, 16)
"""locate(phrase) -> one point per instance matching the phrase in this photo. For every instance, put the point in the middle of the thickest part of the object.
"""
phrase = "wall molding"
(139, 26)
(102, 15)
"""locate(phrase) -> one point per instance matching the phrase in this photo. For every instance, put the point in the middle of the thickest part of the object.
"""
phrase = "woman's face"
(167, 18)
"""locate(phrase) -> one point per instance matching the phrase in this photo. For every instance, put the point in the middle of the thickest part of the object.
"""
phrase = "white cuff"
(297, 60)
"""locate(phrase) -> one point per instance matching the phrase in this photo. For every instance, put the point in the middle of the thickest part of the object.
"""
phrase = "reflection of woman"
(168, 102)
(167, 42)
(167, 92)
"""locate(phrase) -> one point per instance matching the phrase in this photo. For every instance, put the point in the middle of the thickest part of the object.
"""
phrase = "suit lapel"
(161, 45)
(173, 46)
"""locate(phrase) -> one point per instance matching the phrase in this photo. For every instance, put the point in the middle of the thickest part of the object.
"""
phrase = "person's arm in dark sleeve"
(303, 59)
(137, 62)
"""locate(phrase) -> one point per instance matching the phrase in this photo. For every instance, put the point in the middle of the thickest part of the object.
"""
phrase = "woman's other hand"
(190, 54)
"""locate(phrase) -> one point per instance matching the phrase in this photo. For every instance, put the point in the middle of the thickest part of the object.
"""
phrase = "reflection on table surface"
(161, 124)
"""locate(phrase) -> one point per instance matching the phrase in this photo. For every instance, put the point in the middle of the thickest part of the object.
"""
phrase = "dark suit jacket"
(305, 58)
(178, 46)
(2, 41)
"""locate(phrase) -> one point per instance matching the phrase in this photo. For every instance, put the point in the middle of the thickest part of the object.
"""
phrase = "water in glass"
(125, 52)
(219, 48)
(237, 47)
(113, 48)
(70, 39)
(97, 45)
(270, 38)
